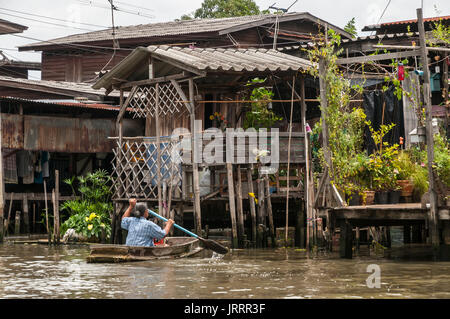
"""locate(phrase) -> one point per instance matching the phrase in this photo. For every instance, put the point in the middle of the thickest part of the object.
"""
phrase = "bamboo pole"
(46, 211)
(261, 211)
(251, 203)
(289, 163)
(17, 223)
(26, 216)
(56, 205)
(240, 207)
(195, 175)
(269, 211)
(433, 216)
(9, 214)
(231, 201)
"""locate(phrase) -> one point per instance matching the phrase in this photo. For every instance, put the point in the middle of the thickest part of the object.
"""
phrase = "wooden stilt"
(345, 239)
(251, 203)
(300, 226)
(17, 223)
(406, 234)
(34, 217)
(269, 212)
(46, 212)
(261, 217)
(240, 207)
(357, 234)
(231, 200)
(56, 211)
(195, 175)
(26, 216)
(113, 224)
(433, 212)
(9, 215)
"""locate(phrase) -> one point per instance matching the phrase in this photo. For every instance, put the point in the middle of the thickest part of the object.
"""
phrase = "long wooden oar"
(210, 244)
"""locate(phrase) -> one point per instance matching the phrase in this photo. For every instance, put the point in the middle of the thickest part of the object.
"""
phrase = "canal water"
(40, 271)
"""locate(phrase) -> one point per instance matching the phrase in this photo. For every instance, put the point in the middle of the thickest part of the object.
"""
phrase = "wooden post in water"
(300, 226)
(26, 217)
(195, 175)
(240, 207)
(46, 212)
(345, 239)
(261, 229)
(56, 211)
(251, 201)
(17, 223)
(34, 217)
(269, 211)
(433, 213)
(9, 214)
(231, 201)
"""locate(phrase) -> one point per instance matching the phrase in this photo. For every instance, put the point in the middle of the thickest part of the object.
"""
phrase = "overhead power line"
(56, 19)
(46, 22)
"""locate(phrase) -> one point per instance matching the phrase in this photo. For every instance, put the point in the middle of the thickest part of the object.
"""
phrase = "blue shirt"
(141, 231)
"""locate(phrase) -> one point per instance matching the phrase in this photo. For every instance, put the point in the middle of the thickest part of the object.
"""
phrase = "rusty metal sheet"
(12, 131)
(73, 135)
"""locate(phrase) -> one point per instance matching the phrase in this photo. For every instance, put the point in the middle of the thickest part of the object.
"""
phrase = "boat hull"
(176, 247)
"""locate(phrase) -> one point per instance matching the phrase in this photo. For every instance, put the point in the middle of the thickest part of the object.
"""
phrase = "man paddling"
(141, 231)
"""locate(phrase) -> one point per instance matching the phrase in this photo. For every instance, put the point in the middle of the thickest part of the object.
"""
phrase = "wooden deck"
(374, 215)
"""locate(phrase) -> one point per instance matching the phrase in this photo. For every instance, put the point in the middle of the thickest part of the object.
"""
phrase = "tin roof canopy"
(200, 61)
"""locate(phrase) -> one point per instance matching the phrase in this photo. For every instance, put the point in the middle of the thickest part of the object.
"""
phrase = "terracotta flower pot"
(407, 187)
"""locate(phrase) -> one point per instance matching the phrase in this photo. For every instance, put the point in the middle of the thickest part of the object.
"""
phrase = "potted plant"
(405, 169)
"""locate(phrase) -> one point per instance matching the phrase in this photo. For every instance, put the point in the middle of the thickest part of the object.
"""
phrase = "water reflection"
(39, 271)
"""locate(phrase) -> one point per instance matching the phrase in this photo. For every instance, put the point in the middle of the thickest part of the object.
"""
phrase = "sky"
(95, 15)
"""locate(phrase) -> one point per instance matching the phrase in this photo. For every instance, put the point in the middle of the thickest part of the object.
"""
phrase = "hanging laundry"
(435, 82)
(25, 169)
(45, 158)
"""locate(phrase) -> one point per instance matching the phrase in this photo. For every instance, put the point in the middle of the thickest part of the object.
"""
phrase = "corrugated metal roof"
(201, 61)
(182, 27)
(71, 88)
(97, 106)
(8, 27)
(373, 27)
(231, 59)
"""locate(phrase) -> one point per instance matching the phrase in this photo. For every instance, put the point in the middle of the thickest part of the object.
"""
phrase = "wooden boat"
(175, 247)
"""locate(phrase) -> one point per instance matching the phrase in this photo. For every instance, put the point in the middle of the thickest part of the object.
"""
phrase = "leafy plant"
(259, 115)
(90, 215)
(350, 27)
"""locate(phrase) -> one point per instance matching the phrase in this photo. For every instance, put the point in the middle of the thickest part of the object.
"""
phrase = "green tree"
(350, 27)
(224, 9)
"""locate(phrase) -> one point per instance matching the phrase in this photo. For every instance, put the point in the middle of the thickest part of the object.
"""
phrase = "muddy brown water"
(40, 271)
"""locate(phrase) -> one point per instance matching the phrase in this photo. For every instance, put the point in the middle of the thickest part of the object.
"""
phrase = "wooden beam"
(433, 218)
(151, 81)
(190, 104)
(123, 106)
(409, 47)
(378, 57)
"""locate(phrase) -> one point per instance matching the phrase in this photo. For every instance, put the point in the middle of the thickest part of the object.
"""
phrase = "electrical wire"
(98, 5)
(56, 19)
(40, 21)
